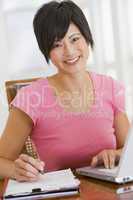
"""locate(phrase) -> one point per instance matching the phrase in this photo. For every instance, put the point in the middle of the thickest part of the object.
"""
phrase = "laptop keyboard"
(113, 170)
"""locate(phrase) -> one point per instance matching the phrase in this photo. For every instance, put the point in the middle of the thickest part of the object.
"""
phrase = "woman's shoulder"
(105, 80)
(109, 85)
(101, 81)
(100, 76)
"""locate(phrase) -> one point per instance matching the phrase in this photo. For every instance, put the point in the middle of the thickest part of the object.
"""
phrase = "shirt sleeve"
(118, 92)
(27, 101)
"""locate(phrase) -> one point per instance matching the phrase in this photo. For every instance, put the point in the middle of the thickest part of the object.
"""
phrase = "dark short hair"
(51, 23)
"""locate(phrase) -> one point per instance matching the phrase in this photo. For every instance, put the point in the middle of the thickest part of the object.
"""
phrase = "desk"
(92, 189)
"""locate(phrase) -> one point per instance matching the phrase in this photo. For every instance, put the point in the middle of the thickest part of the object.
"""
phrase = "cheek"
(87, 52)
(85, 49)
(54, 57)
(83, 45)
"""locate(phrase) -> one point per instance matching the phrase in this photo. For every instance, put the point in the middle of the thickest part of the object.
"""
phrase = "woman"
(75, 117)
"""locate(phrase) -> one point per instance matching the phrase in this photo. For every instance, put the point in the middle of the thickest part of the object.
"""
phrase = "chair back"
(13, 86)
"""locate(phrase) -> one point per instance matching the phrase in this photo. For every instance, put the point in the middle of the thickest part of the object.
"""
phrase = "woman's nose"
(69, 49)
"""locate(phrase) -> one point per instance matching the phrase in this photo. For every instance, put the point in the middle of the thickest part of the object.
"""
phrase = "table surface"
(92, 189)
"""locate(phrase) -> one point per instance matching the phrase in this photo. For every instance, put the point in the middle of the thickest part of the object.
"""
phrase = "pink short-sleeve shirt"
(67, 139)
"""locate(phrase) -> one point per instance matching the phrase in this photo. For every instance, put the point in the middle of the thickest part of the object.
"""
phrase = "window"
(10, 5)
(130, 21)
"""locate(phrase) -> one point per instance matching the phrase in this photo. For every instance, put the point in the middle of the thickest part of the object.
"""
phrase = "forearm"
(6, 168)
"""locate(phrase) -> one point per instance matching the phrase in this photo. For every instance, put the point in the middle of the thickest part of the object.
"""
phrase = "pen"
(32, 151)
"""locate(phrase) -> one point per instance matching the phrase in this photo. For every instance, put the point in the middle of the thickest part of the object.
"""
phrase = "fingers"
(22, 175)
(94, 161)
(112, 159)
(99, 159)
(106, 157)
(37, 164)
(24, 166)
(27, 168)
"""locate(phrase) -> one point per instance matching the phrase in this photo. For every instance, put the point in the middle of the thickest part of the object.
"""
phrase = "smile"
(72, 61)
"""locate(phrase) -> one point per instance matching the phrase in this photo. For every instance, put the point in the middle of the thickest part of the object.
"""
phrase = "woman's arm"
(109, 156)
(121, 126)
(18, 127)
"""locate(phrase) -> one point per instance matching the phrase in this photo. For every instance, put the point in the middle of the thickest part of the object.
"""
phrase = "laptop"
(122, 173)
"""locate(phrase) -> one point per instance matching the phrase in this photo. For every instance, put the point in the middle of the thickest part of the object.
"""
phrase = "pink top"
(68, 139)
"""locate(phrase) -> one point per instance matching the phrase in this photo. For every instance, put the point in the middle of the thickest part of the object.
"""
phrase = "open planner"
(51, 184)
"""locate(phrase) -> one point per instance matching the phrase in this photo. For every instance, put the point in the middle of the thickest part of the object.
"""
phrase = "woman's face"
(70, 54)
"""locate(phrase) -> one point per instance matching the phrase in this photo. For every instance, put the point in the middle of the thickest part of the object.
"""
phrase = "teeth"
(72, 60)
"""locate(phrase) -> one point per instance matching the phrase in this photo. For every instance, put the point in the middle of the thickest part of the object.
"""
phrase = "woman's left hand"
(107, 157)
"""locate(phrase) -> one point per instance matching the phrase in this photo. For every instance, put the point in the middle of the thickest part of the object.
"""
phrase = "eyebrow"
(73, 34)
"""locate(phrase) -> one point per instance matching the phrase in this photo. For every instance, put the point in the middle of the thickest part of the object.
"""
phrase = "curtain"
(112, 28)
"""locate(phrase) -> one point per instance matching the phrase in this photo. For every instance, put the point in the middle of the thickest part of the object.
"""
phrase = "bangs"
(58, 23)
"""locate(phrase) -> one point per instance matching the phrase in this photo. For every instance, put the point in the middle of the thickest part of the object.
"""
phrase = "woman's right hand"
(27, 168)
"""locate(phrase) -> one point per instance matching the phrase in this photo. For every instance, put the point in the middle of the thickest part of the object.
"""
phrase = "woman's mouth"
(72, 60)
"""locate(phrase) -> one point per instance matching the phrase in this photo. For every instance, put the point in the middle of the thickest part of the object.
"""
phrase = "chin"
(74, 70)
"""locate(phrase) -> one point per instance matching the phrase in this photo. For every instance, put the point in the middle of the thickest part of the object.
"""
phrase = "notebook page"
(47, 182)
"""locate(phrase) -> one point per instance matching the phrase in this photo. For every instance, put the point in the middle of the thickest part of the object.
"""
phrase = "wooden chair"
(11, 90)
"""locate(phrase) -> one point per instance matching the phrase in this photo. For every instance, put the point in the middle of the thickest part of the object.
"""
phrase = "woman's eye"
(57, 45)
(75, 39)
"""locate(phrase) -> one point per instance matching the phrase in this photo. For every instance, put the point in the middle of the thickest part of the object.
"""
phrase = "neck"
(73, 82)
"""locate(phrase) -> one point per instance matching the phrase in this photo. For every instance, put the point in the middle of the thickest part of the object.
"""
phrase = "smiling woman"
(59, 20)
(70, 54)
(75, 117)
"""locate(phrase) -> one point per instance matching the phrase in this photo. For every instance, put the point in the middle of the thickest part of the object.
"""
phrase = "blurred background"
(111, 24)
